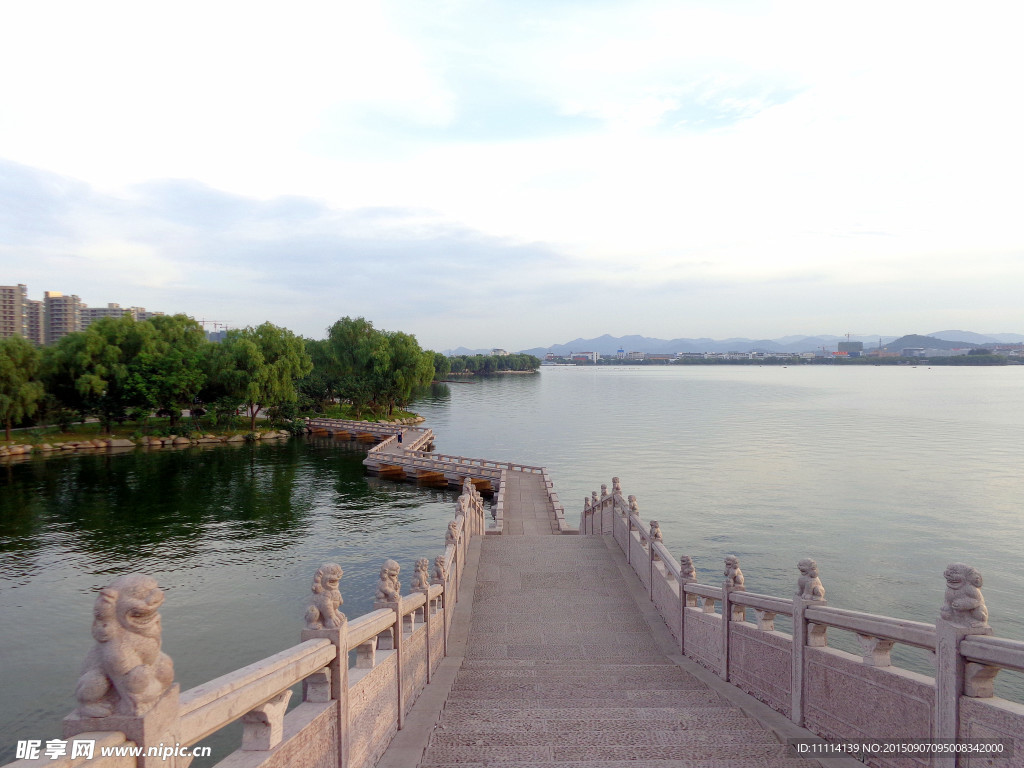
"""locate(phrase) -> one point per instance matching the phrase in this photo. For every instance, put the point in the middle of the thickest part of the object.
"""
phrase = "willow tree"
(20, 390)
(259, 366)
(91, 371)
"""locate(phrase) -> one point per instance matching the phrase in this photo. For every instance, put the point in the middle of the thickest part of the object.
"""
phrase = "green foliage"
(487, 364)
(169, 369)
(20, 389)
(259, 366)
(442, 366)
(89, 371)
(373, 370)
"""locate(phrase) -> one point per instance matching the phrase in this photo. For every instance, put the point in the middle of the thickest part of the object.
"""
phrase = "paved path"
(563, 662)
(528, 509)
(562, 669)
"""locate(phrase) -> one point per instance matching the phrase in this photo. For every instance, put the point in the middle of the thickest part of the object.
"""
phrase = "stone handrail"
(835, 694)
(348, 713)
(207, 708)
(465, 461)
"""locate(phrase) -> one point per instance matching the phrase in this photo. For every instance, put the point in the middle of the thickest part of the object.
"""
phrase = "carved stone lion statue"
(440, 572)
(125, 673)
(421, 575)
(323, 610)
(809, 586)
(655, 531)
(733, 574)
(964, 605)
(388, 588)
(686, 569)
(451, 535)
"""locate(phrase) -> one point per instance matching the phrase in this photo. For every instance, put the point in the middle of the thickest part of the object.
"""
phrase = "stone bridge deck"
(564, 663)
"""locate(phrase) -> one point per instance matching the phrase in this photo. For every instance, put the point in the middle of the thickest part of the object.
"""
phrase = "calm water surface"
(233, 535)
(883, 475)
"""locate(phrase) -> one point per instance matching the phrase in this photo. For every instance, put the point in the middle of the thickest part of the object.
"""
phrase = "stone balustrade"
(348, 713)
(835, 694)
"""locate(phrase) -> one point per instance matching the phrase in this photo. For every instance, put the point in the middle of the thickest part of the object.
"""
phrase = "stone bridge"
(529, 648)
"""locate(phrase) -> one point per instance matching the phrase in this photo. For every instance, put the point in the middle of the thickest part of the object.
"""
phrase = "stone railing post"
(654, 537)
(440, 576)
(128, 684)
(263, 727)
(421, 583)
(687, 575)
(809, 591)
(325, 621)
(734, 582)
(389, 595)
(963, 613)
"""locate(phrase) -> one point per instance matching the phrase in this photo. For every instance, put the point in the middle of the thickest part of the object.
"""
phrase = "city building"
(63, 315)
(851, 348)
(57, 315)
(13, 305)
(35, 315)
(92, 314)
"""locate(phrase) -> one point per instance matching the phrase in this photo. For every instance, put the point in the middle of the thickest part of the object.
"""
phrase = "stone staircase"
(562, 670)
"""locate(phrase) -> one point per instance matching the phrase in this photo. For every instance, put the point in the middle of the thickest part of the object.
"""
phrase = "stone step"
(638, 739)
(739, 750)
(512, 692)
(646, 763)
(603, 675)
(638, 699)
(557, 721)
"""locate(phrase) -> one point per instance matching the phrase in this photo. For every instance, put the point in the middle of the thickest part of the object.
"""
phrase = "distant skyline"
(524, 173)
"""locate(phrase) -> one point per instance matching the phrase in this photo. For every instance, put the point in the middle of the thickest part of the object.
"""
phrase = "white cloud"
(737, 147)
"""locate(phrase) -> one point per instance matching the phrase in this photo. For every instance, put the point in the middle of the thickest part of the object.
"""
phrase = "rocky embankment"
(171, 441)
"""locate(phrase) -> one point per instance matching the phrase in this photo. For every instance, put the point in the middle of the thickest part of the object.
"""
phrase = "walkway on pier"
(528, 509)
(564, 663)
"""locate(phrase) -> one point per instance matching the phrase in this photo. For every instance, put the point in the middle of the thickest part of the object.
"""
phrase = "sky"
(518, 174)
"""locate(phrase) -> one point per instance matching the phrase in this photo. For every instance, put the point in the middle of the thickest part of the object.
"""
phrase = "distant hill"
(609, 345)
(929, 342)
(979, 338)
(466, 351)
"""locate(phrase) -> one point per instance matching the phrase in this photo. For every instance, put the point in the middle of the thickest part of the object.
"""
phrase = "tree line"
(119, 369)
(485, 364)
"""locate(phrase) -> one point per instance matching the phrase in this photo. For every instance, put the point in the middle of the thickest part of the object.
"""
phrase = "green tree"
(317, 389)
(91, 372)
(169, 369)
(401, 370)
(20, 390)
(259, 366)
(357, 361)
(442, 366)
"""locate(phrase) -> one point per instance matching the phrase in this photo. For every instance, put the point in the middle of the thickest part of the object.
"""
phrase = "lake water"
(882, 474)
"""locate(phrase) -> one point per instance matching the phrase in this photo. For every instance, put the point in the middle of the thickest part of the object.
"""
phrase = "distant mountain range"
(609, 345)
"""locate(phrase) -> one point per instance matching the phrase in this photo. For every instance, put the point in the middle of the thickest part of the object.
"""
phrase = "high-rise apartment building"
(91, 314)
(57, 315)
(63, 315)
(13, 301)
(35, 315)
